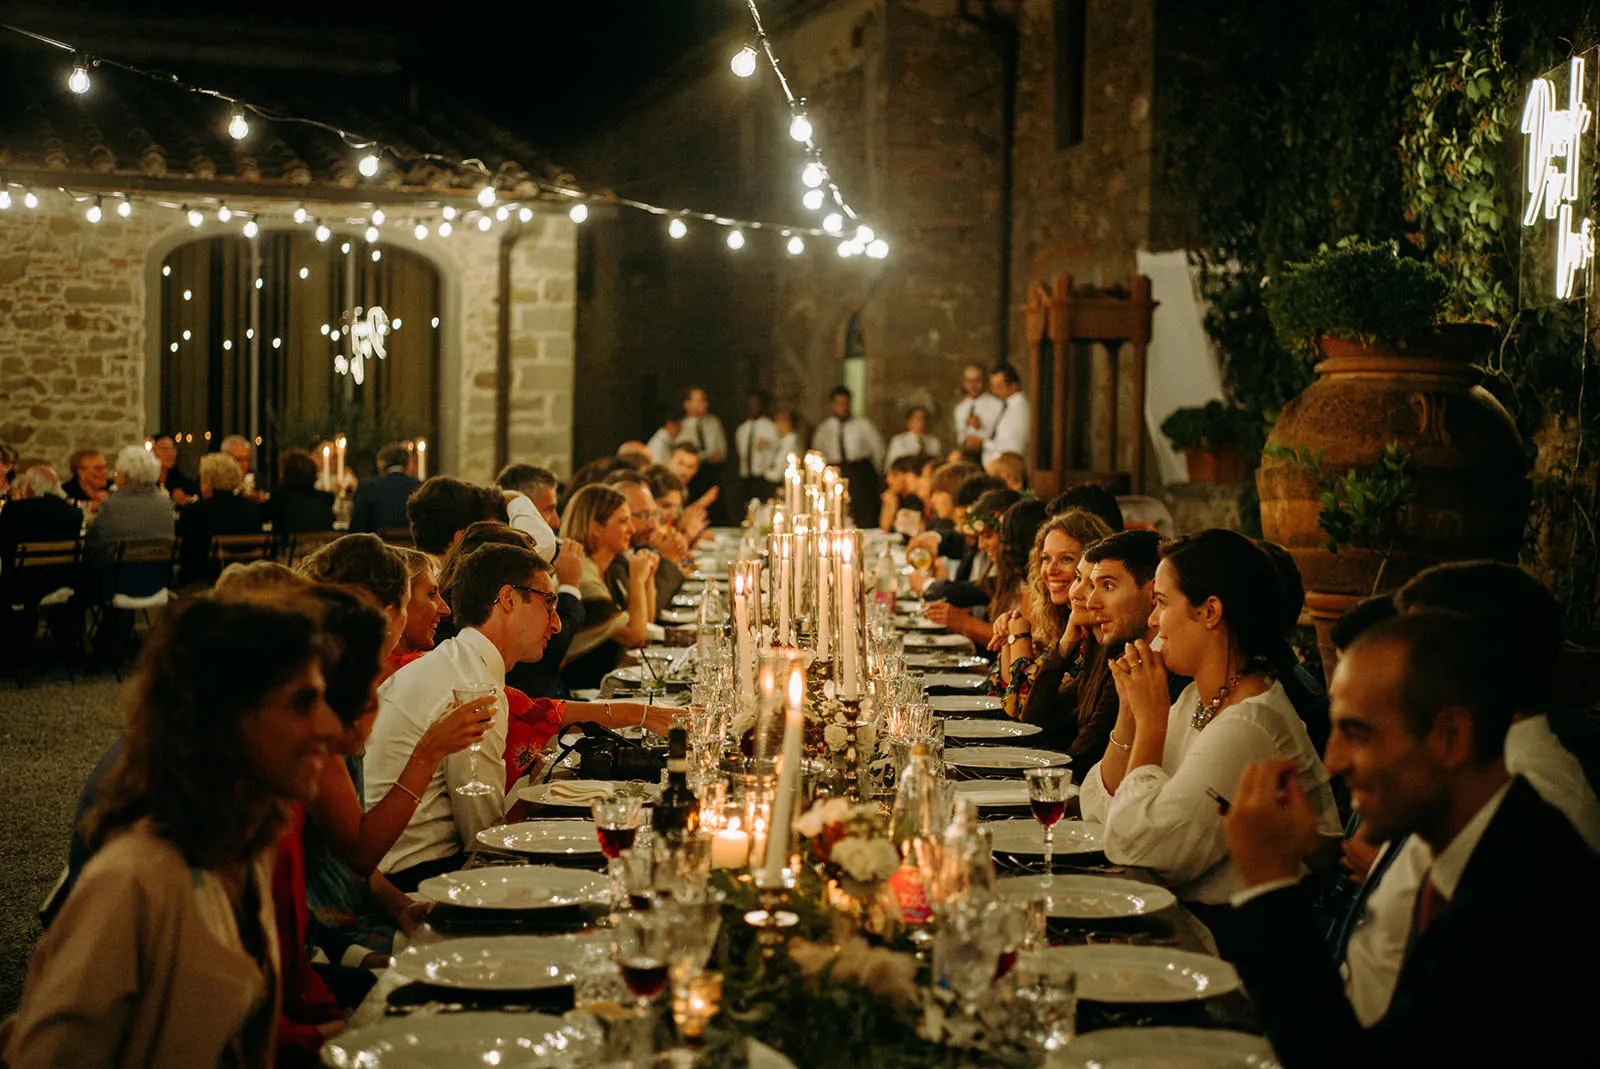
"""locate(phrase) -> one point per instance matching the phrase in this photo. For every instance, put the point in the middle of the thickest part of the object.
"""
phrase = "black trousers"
(708, 476)
(865, 491)
(754, 486)
(407, 879)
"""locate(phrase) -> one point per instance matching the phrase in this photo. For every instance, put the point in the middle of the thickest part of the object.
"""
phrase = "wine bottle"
(678, 812)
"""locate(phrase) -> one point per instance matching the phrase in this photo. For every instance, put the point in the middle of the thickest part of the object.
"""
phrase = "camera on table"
(616, 758)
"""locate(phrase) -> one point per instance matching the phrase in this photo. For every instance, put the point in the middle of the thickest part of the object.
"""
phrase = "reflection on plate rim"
(1162, 1040)
(1157, 897)
(517, 954)
(1221, 977)
(358, 1046)
(489, 837)
(963, 757)
(1072, 836)
(1001, 729)
(434, 889)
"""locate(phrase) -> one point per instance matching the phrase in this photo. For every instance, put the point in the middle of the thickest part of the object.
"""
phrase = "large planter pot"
(1222, 464)
(1469, 469)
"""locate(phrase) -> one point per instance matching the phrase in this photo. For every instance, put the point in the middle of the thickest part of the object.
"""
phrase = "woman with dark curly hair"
(164, 952)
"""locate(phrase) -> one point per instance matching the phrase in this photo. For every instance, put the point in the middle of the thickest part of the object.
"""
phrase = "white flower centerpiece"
(850, 846)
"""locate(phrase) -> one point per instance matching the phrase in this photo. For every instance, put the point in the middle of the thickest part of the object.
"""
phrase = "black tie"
(844, 457)
(699, 435)
(996, 429)
(744, 451)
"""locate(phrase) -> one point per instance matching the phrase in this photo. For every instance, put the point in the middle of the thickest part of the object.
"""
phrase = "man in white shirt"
(505, 601)
(445, 506)
(1421, 705)
(702, 429)
(977, 411)
(852, 444)
(914, 441)
(786, 421)
(756, 441)
(660, 443)
(1014, 425)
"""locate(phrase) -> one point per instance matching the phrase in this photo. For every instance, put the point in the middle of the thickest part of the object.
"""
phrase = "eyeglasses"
(651, 516)
(549, 598)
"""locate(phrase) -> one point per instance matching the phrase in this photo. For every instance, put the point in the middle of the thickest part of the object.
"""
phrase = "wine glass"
(642, 953)
(965, 953)
(470, 692)
(1047, 796)
(920, 558)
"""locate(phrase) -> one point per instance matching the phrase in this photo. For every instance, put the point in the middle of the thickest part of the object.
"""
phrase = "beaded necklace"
(1205, 712)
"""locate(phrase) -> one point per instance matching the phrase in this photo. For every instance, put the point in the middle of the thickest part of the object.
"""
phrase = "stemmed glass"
(966, 955)
(1047, 795)
(642, 952)
(695, 927)
(469, 692)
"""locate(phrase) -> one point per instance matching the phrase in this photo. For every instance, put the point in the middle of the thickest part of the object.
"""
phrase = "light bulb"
(324, 329)
(166, 270)
(421, 231)
(813, 175)
(744, 62)
(372, 234)
(305, 272)
(378, 217)
(448, 212)
(188, 295)
(78, 80)
(484, 223)
(187, 335)
(436, 322)
(865, 234)
(260, 283)
(445, 229)
(502, 213)
(578, 213)
(525, 214)
(345, 248)
(833, 222)
(251, 229)
(300, 214)
(31, 200)
(485, 196)
(224, 214)
(94, 214)
(277, 343)
(677, 228)
(796, 245)
(173, 346)
(878, 249)
(847, 249)
(800, 128)
(227, 346)
(249, 333)
(368, 165)
(195, 218)
(812, 199)
(736, 239)
(334, 335)
(5, 200)
(377, 254)
(323, 233)
(238, 125)
(125, 207)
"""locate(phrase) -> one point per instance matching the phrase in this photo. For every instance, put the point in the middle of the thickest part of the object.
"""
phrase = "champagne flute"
(1047, 796)
(469, 692)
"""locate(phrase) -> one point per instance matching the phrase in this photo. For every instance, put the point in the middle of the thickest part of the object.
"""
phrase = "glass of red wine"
(643, 954)
(1047, 795)
(616, 824)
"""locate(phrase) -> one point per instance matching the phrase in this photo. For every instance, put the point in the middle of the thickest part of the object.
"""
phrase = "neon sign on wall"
(1557, 259)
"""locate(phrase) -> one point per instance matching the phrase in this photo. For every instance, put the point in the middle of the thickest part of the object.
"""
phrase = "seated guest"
(443, 507)
(660, 444)
(162, 954)
(178, 486)
(8, 470)
(37, 511)
(635, 454)
(678, 528)
(137, 511)
(943, 537)
(1017, 525)
(973, 580)
(505, 605)
(380, 502)
(237, 446)
(90, 475)
(538, 485)
(1487, 593)
(914, 441)
(1092, 498)
(1421, 708)
(685, 464)
(1218, 618)
(1313, 706)
(296, 505)
(616, 615)
(1010, 468)
(899, 495)
(593, 472)
(669, 546)
(220, 510)
(425, 607)
(1048, 653)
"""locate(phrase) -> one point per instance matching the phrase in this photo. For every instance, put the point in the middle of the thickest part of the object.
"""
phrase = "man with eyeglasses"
(646, 517)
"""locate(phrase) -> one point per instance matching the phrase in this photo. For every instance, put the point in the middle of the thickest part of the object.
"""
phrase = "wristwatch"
(1013, 636)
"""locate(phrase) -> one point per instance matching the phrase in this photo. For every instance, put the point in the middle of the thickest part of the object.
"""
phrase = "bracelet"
(609, 720)
(414, 795)
(644, 714)
(1118, 743)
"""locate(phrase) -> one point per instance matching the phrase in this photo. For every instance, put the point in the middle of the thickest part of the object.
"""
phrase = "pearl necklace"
(1205, 712)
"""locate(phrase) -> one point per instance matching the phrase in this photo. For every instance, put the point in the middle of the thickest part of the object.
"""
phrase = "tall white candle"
(422, 459)
(783, 803)
(849, 646)
(338, 458)
(837, 503)
(825, 577)
(783, 559)
(327, 468)
(742, 637)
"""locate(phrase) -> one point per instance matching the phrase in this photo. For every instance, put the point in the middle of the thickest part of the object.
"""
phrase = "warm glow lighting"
(324, 330)
(188, 295)
(397, 323)
(251, 229)
(421, 231)
(227, 346)
(525, 214)
(502, 213)
(249, 333)
(224, 213)
(744, 62)
(833, 222)
(847, 249)
(345, 248)
(238, 125)
(377, 254)
(436, 322)
(378, 217)
(259, 283)
(166, 270)
(864, 234)
(94, 214)
(445, 229)
(813, 175)
(878, 249)
(796, 245)
(277, 343)
(484, 223)
(800, 128)
(174, 346)
(31, 200)
(187, 335)
(300, 214)
(578, 213)
(368, 165)
(323, 233)
(448, 212)
(372, 234)
(813, 199)
(334, 335)
(78, 80)
(195, 218)
(677, 229)
(305, 272)
(125, 207)
(5, 199)
(485, 197)
(736, 239)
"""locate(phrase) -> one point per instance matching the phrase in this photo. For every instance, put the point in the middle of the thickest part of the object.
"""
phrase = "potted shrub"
(1213, 438)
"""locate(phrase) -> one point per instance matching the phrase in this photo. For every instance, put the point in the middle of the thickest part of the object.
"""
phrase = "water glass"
(637, 871)
(966, 953)
(596, 978)
(470, 692)
(683, 867)
(1047, 995)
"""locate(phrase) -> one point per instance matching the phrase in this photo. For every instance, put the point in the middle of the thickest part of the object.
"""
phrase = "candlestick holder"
(771, 922)
(851, 758)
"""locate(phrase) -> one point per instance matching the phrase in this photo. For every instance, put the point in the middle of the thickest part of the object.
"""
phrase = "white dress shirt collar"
(478, 643)
(1452, 861)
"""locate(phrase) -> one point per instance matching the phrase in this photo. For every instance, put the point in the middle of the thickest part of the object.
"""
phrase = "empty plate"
(916, 623)
(543, 837)
(961, 728)
(1112, 973)
(1090, 897)
(496, 962)
(942, 640)
(1167, 1048)
(515, 887)
(1003, 757)
(964, 662)
(431, 1040)
(999, 792)
(1024, 837)
(677, 616)
(964, 703)
(955, 680)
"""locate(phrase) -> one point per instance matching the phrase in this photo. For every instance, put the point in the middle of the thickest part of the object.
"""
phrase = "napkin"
(569, 792)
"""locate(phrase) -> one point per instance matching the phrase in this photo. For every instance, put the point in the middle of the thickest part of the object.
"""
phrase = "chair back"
(398, 536)
(45, 554)
(34, 570)
(304, 543)
(144, 566)
(242, 549)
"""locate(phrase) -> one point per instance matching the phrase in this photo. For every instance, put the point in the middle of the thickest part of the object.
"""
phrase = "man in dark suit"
(1496, 964)
(37, 512)
(380, 502)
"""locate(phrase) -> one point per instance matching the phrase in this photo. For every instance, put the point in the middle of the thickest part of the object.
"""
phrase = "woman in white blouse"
(1218, 621)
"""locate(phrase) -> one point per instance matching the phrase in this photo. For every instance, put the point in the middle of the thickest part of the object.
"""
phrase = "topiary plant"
(1210, 426)
(1357, 291)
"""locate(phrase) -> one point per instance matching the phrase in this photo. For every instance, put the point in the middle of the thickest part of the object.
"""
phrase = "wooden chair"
(297, 547)
(242, 549)
(398, 536)
(141, 582)
(40, 582)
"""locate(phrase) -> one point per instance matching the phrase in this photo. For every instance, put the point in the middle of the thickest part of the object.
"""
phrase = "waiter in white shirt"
(852, 444)
(756, 440)
(702, 428)
(977, 412)
(505, 599)
(1013, 424)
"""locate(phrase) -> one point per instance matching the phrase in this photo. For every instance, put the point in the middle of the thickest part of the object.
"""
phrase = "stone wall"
(75, 329)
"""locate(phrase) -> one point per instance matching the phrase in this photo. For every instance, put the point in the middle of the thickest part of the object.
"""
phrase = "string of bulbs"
(441, 218)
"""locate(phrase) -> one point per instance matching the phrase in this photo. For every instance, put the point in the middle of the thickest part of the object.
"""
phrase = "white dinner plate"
(916, 623)
(952, 661)
(543, 837)
(1114, 973)
(1166, 1048)
(1024, 837)
(453, 1041)
(516, 887)
(963, 728)
(677, 616)
(1003, 757)
(495, 962)
(941, 640)
(964, 703)
(999, 792)
(955, 680)
(1090, 897)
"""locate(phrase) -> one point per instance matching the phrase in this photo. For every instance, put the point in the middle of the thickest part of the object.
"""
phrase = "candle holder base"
(771, 922)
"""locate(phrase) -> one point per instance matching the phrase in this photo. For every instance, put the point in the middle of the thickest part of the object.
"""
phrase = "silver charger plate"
(942, 640)
(964, 703)
(496, 962)
(961, 728)
(955, 680)
(543, 837)
(1075, 897)
(516, 887)
(999, 792)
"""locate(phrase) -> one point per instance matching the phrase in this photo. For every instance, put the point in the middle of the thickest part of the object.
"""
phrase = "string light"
(300, 215)
(878, 249)
(377, 254)
(305, 272)
(324, 329)
(78, 80)
(368, 165)
(502, 213)
(864, 235)
(796, 245)
(800, 128)
(224, 214)
(188, 334)
(485, 197)
(525, 215)
(124, 207)
(195, 218)
(736, 240)
(445, 229)
(227, 346)
(173, 347)
(812, 199)
(813, 175)
(421, 232)
(448, 212)
(166, 270)
(847, 249)
(30, 199)
(251, 229)
(277, 343)
(345, 248)
(188, 295)
(833, 223)
(677, 229)
(238, 125)
(260, 283)
(323, 233)
(378, 217)
(578, 213)
(94, 214)
(436, 322)
(744, 62)
(484, 223)
(371, 235)
(5, 200)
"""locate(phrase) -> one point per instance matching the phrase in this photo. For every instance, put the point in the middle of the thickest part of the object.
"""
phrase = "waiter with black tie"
(852, 444)
(702, 427)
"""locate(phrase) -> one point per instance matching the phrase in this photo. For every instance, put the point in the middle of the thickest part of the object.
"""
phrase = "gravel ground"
(51, 734)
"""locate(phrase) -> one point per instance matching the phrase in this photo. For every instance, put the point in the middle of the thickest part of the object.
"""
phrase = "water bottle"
(966, 863)
(916, 826)
(709, 624)
(885, 580)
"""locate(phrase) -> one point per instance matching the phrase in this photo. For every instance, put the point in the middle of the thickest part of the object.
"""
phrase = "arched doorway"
(251, 332)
